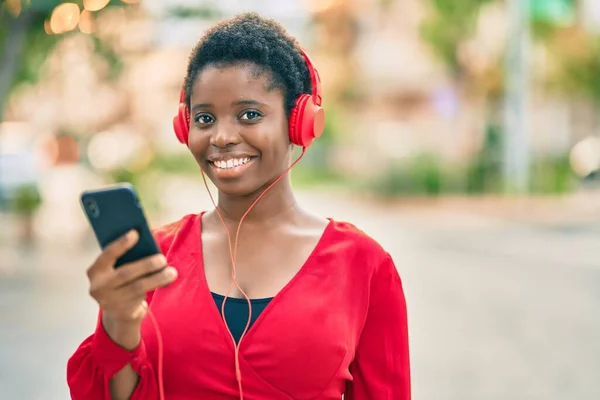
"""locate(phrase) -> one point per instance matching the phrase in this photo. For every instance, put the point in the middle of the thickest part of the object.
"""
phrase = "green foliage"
(484, 171)
(426, 175)
(37, 44)
(553, 11)
(451, 22)
(303, 176)
(204, 11)
(178, 164)
(422, 175)
(113, 59)
(575, 51)
(552, 175)
(26, 200)
(580, 75)
(46, 6)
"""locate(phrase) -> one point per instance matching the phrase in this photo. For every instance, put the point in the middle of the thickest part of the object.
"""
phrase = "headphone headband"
(306, 121)
(182, 93)
(314, 77)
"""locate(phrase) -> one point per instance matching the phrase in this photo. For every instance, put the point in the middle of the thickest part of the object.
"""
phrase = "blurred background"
(464, 135)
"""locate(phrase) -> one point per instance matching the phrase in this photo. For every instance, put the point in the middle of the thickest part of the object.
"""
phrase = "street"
(497, 309)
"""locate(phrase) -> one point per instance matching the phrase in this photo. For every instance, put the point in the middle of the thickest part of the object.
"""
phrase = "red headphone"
(307, 120)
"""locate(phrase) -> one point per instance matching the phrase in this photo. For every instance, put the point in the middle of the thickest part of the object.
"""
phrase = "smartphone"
(112, 212)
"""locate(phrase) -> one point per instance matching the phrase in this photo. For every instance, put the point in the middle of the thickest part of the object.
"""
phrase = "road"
(497, 310)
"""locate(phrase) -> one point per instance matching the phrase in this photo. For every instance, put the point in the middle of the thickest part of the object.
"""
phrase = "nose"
(225, 135)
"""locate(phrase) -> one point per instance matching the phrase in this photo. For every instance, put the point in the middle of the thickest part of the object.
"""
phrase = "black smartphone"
(112, 212)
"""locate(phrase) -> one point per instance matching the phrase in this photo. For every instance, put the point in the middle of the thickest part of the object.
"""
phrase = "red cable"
(161, 389)
(233, 255)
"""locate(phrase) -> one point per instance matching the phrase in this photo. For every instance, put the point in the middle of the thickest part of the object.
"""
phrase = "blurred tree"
(449, 26)
(574, 51)
(448, 30)
(25, 42)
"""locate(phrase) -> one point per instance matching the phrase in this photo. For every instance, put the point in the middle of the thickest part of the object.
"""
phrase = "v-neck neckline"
(207, 294)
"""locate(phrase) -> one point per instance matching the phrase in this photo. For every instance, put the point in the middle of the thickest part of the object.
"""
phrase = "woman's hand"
(121, 292)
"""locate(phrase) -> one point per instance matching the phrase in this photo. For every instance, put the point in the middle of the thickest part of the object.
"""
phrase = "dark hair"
(250, 38)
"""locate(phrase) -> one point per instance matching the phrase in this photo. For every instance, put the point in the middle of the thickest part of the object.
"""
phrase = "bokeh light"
(86, 22)
(585, 156)
(116, 149)
(65, 17)
(95, 5)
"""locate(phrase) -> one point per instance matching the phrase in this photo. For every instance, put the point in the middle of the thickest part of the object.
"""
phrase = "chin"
(239, 186)
(238, 189)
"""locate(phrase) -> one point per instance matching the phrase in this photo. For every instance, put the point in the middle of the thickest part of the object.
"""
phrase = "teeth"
(236, 162)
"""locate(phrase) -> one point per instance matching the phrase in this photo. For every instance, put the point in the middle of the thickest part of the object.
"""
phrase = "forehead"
(240, 80)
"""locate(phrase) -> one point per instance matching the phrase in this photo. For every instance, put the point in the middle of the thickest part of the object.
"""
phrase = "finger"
(114, 250)
(128, 273)
(143, 285)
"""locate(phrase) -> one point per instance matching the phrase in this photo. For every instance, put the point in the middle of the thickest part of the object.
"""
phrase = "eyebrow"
(201, 105)
(248, 103)
(235, 103)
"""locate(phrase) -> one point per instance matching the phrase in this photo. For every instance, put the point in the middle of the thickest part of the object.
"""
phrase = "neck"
(274, 203)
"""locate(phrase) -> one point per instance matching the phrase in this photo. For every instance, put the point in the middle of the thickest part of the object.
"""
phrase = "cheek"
(278, 147)
(271, 139)
(197, 145)
(281, 138)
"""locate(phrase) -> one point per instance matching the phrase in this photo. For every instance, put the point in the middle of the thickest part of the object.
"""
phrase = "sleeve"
(381, 367)
(98, 359)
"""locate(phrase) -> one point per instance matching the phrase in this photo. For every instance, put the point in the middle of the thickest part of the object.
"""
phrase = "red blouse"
(338, 327)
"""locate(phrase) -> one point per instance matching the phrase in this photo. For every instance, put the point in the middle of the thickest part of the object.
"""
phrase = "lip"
(230, 173)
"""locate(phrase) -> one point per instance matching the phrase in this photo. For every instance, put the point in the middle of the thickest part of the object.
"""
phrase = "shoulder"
(365, 263)
(358, 247)
(165, 235)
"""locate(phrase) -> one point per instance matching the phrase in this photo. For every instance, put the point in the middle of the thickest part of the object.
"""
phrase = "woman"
(328, 314)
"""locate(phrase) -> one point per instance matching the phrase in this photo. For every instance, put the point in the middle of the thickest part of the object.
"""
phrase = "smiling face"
(238, 128)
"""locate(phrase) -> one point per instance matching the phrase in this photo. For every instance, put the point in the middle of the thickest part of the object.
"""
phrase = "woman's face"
(238, 128)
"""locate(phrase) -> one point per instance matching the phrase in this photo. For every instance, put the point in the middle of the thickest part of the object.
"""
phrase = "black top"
(236, 312)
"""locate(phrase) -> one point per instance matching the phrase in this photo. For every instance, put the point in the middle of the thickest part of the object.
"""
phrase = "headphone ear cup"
(307, 121)
(293, 124)
(181, 124)
(313, 123)
(297, 125)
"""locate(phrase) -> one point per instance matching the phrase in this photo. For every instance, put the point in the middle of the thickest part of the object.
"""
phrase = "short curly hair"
(250, 38)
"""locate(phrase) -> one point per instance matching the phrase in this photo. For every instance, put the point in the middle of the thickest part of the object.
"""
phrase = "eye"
(203, 119)
(251, 115)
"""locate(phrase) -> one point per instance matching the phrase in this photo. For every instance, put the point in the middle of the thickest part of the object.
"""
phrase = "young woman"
(328, 314)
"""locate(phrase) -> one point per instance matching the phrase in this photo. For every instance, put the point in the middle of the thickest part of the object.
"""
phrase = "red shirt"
(338, 327)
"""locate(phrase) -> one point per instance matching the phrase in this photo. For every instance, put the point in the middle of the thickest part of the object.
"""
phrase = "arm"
(381, 368)
(112, 363)
(102, 369)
